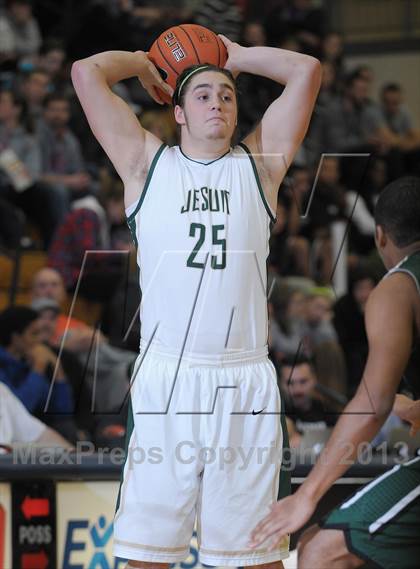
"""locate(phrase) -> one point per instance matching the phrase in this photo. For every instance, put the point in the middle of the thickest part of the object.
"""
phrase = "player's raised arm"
(129, 147)
(286, 120)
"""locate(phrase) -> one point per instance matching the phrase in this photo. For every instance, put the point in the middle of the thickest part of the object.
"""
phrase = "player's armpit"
(117, 129)
(285, 122)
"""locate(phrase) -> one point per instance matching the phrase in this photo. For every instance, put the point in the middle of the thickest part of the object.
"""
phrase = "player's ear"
(380, 237)
(179, 115)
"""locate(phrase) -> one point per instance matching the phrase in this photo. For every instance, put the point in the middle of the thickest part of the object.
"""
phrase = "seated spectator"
(260, 91)
(317, 326)
(221, 15)
(93, 426)
(349, 323)
(332, 53)
(374, 182)
(28, 367)
(62, 163)
(17, 425)
(325, 205)
(289, 252)
(329, 87)
(402, 131)
(34, 87)
(51, 60)
(253, 34)
(350, 205)
(19, 32)
(303, 404)
(300, 19)
(351, 123)
(287, 310)
(12, 224)
(88, 228)
(161, 124)
(20, 166)
(111, 364)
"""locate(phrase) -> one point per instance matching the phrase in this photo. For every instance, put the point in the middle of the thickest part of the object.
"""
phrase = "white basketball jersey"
(202, 234)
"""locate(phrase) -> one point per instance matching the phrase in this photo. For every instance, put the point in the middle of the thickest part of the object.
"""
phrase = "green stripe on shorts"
(381, 521)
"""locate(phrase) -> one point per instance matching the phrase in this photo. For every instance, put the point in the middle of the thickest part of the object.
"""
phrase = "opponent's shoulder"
(396, 294)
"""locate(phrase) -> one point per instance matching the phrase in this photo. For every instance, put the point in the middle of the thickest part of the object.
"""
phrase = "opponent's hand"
(409, 411)
(286, 517)
(151, 80)
(234, 55)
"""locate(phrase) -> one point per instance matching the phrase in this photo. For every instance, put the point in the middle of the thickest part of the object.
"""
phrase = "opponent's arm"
(129, 147)
(389, 325)
(286, 120)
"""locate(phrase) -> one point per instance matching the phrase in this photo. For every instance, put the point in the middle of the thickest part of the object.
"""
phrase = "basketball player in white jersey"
(207, 435)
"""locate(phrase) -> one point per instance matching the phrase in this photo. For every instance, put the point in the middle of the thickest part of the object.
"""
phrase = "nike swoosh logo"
(258, 412)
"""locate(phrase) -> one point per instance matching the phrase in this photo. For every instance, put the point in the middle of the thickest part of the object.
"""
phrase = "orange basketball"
(181, 46)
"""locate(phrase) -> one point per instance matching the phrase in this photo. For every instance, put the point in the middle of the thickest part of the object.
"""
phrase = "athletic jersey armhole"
(257, 178)
(407, 272)
(134, 208)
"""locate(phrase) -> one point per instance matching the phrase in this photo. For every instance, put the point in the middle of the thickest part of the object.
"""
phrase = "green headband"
(177, 93)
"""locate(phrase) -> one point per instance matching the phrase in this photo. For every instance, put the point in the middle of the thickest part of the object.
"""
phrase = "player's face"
(210, 108)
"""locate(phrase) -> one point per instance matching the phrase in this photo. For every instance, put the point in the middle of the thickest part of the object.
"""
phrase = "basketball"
(181, 46)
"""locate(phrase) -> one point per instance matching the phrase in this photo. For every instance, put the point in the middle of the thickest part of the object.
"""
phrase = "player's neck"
(401, 254)
(204, 150)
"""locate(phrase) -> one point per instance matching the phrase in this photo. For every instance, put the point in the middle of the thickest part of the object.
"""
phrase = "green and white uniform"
(381, 522)
(204, 393)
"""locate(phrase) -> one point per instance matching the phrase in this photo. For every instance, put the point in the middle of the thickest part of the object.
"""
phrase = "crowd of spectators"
(59, 193)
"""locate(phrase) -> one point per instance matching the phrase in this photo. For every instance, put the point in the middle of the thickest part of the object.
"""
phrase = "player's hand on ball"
(151, 79)
(234, 50)
(286, 517)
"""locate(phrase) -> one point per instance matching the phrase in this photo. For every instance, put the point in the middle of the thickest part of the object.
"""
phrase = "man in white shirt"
(17, 425)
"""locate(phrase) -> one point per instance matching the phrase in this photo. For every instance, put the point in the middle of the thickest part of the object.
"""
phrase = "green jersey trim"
(409, 265)
(257, 177)
(147, 182)
(203, 163)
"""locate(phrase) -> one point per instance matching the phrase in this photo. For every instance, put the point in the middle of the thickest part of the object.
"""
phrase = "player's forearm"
(353, 428)
(277, 64)
(112, 66)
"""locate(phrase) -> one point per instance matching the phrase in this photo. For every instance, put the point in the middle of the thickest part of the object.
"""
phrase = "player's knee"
(318, 549)
(307, 547)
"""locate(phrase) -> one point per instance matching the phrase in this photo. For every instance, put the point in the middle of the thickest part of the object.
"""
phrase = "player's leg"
(319, 548)
(273, 565)
(378, 524)
(242, 481)
(146, 565)
(155, 512)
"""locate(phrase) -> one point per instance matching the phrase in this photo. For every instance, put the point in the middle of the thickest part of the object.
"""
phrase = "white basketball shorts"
(205, 447)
